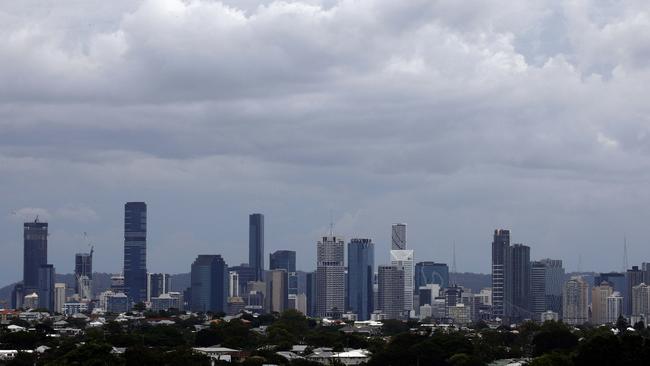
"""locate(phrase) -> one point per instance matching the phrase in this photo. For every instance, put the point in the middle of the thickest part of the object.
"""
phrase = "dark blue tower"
(135, 251)
(256, 245)
(35, 254)
(361, 262)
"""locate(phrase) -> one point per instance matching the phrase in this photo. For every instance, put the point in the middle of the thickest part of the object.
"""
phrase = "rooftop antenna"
(453, 263)
(625, 265)
(331, 224)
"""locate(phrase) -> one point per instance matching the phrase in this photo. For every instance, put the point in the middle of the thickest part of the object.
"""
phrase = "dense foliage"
(260, 338)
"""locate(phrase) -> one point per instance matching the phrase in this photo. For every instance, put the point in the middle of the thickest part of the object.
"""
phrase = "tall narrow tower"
(135, 251)
(500, 258)
(330, 277)
(34, 254)
(399, 237)
(256, 244)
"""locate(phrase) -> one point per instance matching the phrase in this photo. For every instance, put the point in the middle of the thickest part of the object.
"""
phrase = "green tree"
(552, 359)
(553, 336)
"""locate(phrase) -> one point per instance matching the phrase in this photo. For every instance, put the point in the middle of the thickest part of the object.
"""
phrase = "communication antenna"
(331, 224)
(625, 265)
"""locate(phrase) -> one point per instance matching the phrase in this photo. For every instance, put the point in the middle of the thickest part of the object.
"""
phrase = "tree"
(139, 306)
(553, 336)
(621, 323)
(640, 325)
(552, 359)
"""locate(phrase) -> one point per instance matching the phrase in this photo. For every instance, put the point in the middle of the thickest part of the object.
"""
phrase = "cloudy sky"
(456, 117)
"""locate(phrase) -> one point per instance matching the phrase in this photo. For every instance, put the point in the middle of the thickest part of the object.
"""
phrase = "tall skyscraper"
(83, 273)
(361, 263)
(245, 274)
(431, 273)
(520, 270)
(209, 281)
(501, 292)
(46, 287)
(399, 237)
(310, 293)
(277, 290)
(59, 297)
(537, 289)
(256, 244)
(599, 296)
(575, 298)
(286, 259)
(34, 254)
(330, 277)
(391, 291)
(640, 303)
(618, 282)
(554, 284)
(614, 307)
(633, 277)
(404, 260)
(135, 251)
(233, 284)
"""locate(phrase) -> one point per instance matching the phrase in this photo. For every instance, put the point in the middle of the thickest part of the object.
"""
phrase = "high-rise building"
(330, 277)
(310, 293)
(233, 284)
(520, 272)
(398, 237)
(614, 307)
(209, 281)
(537, 289)
(633, 277)
(599, 296)
(554, 283)
(361, 263)
(256, 244)
(286, 259)
(501, 291)
(618, 282)
(575, 298)
(46, 287)
(135, 251)
(640, 303)
(391, 291)
(34, 254)
(245, 274)
(158, 284)
(83, 266)
(404, 260)
(17, 296)
(431, 273)
(59, 297)
(277, 290)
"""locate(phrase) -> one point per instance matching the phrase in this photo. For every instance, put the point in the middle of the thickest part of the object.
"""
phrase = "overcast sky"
(456, 117)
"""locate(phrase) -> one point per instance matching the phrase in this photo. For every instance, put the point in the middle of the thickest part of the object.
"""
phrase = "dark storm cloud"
(456, 117)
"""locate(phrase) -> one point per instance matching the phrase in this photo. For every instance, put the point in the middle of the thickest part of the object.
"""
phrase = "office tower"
(34, 253)
(391, 291)
(310, 293)
(46, 287)
(520, 272)
(599, 296)
(633, 277)
(59, 297)
(277, 290)
(330, 277)
(399, 237)
(83, 266)
(618, 282)
(614, 307)
(245, 274)
(404, 260)
(427, 293)
(135, 251)
(167, 301)
(117, 303)
(158, 284)
(31, 301)
(209, 281)
(453, 295)
(554, 282)
(233, 284)
(256, 245)
(640, 303)
(501, 292)
(431, 273)
(537, 289)
(361, 263)
(85, 285)
(286, 259)
(575, 305)
(256, 297)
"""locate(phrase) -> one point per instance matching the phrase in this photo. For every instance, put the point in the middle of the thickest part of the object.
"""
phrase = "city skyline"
(455, 119)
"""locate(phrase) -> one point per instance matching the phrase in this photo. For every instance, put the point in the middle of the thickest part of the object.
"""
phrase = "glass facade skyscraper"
(431, 273)
(286, 259)
(361, 263)
(256, 244)
(34, 254)
(135, 251)
(209, 281)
